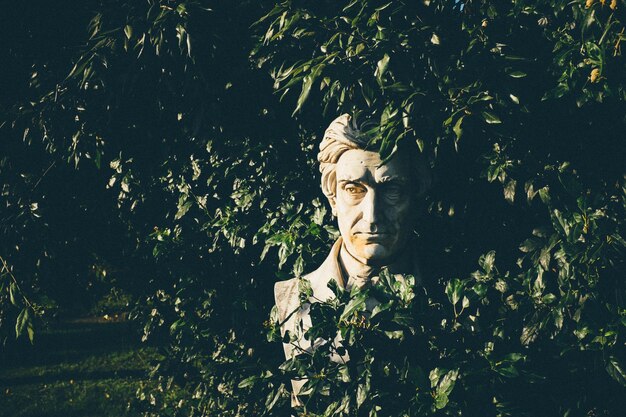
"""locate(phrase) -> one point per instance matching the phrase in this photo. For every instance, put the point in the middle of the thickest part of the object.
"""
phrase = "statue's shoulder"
(287, 293)
(287, 297)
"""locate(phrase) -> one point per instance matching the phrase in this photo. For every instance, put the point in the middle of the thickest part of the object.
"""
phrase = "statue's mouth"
(372, 236)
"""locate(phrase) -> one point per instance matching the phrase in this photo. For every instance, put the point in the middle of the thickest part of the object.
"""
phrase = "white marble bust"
(374, 204)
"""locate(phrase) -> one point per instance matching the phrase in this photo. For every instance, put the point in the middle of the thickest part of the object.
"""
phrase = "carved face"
(373, 205)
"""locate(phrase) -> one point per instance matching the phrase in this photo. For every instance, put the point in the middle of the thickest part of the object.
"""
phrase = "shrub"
(161, 131)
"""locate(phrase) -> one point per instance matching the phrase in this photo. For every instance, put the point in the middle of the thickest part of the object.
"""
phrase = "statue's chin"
(373, 254)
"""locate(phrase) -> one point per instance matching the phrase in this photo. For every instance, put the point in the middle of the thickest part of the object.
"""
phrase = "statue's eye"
(354, 189)
(393, 191)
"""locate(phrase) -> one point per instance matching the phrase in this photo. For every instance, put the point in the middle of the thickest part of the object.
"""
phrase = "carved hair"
(342, 135)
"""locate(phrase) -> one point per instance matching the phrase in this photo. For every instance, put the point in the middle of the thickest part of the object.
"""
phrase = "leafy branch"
(24, 321)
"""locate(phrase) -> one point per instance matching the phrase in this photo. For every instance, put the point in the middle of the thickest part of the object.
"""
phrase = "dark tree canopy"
(167, 149)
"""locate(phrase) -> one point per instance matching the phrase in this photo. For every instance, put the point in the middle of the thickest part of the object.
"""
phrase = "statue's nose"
(370, 206)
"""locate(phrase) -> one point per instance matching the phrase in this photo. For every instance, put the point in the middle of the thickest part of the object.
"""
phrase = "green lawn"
(75, 369)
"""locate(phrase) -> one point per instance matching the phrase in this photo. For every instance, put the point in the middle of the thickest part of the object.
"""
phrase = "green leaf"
(21, 322)
(454, 290)
(305, 289)
(367, 93)
(31, 332)
(490, 118)
(361, 393)
(508, 371)
(379, 308)
(487, 260)
(557, 92)
(247, 382)
(381, 68)
(544, 194)
(12, 290)
(354, 305)
(174, 326)
(441, 400)
(403, 319)
(298, 266)
(444, 387)
(544, 258)
(79, 67)
(420, 144)
(273, 398)
(517, 74)
(395, 334)
(307, 83)
(548, 298)
(616, 370)
(529, 245)
(458, 129)
(480, 289)
(184, 204)
(529, 334)
(509, 191)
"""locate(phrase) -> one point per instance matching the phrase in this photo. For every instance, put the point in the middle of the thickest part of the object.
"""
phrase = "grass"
(75, 369)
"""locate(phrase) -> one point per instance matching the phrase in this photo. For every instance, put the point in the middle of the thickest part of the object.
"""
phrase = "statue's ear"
(333, 206)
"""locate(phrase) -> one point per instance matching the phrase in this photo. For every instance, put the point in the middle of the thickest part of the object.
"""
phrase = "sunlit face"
(373, 205)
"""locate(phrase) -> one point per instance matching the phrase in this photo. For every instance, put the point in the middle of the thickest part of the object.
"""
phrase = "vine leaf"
(616, 370)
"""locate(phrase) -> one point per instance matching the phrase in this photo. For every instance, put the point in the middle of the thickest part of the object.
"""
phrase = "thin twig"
(5, 267)
(44, 174)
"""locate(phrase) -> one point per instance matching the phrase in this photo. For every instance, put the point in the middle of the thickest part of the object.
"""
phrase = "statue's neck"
(359, 274)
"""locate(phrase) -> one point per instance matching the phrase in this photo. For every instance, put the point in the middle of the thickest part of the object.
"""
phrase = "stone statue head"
(375, 203)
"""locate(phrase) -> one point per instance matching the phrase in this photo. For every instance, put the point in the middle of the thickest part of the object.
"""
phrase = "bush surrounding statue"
(168, 149)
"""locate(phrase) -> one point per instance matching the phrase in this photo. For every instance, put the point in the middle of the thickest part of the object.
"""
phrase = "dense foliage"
(167, 148)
